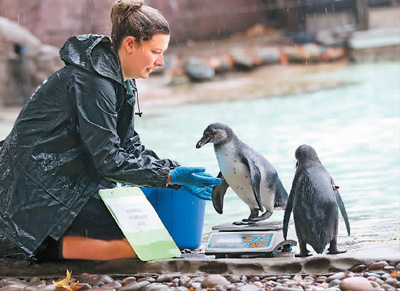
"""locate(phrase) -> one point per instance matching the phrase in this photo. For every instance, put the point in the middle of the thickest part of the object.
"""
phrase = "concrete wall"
(53, 21)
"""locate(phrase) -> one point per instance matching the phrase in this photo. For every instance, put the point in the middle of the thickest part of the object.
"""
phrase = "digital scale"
(261, 239)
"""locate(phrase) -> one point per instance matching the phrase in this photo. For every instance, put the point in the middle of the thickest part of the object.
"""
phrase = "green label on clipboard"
(140, 223)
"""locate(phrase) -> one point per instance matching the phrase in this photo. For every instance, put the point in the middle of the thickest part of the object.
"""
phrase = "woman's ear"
(129, 43)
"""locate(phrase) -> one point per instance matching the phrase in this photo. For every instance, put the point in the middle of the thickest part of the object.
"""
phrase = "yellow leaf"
(64, 283)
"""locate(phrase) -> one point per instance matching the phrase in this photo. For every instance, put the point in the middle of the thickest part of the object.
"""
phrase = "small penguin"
(247, 172)
(314, 199)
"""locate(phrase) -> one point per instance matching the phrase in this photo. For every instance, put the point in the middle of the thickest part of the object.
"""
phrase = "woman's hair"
(133, 18)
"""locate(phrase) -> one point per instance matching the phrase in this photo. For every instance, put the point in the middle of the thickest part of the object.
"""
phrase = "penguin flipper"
(218, 194)
(281, 196)
(255, 177)
(289, 205)
(288, 211)
(342, 209)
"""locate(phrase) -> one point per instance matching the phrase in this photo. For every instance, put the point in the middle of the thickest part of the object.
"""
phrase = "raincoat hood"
(94, 53)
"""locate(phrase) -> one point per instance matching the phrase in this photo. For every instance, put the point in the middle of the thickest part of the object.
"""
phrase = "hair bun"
(134, 4)
(123, 8)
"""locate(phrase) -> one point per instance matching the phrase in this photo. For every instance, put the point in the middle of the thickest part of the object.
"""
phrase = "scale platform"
(262, 239)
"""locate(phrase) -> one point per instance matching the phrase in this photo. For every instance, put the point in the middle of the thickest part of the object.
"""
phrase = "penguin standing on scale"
(247, 172)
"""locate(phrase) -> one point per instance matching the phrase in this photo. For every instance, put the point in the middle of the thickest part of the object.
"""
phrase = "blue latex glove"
(192, 176)
(204, 193)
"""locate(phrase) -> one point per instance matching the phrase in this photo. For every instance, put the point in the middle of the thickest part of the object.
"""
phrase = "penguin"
(314, 199)
(247, 172)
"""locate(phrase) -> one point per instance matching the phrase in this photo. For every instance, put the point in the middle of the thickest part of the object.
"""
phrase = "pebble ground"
(378, 276)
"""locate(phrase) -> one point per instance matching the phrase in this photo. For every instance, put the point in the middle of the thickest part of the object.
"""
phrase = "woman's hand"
(204, 193)
(193, 176)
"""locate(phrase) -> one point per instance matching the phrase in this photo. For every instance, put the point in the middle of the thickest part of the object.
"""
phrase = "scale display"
(240, 240)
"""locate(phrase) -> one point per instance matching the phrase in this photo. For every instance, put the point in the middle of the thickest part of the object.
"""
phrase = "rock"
(372, 275)
(148, 279)
(268, 55)
(35, 280)
(211, 281)
(134, 286)
(359, 268)
(102, 280)
(375, 284)
(248, 287)
(221, 64)
(128, 280)
(243, 61)
(165, 278)
(82, 286)
(281, 288)
(378, 265)
(184, 280)
(13, 287)
(321, 279)
(334, 283)
(388, 268)
(386, 276)
(387, 287)
(258, 284)
(254, 279)
(195, 285)
(234, 279)
(297, 278)
(155, 287)
(337, 276)
(197, 70)
(391, 281)
(355, 284)
(11, 281)
(311, 52)
(293, 54)
(112, 285)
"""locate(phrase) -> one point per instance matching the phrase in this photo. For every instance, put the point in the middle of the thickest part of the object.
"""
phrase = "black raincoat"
(74, 131)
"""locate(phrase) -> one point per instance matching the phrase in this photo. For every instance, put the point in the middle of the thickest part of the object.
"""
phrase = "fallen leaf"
(64, 283)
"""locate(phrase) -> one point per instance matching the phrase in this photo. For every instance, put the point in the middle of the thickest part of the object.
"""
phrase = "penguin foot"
(333, 249)
(265, 215)
(304, 252)
(335, 252)
(253, 218)
(300, 255)
(243, 222)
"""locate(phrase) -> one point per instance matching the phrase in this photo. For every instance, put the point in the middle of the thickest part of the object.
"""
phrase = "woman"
(75, 135)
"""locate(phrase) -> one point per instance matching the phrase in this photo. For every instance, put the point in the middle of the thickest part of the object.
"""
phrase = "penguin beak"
(204, 140)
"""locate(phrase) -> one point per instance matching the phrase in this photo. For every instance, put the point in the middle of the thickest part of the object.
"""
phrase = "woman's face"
(138, 60)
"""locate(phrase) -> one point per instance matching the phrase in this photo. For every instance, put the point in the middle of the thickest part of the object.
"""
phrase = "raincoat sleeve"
(96, 100)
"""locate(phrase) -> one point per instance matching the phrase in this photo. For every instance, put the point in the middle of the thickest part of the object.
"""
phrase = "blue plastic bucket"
(182, 214)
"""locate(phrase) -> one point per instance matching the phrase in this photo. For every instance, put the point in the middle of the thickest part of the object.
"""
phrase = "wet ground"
(199, 263)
